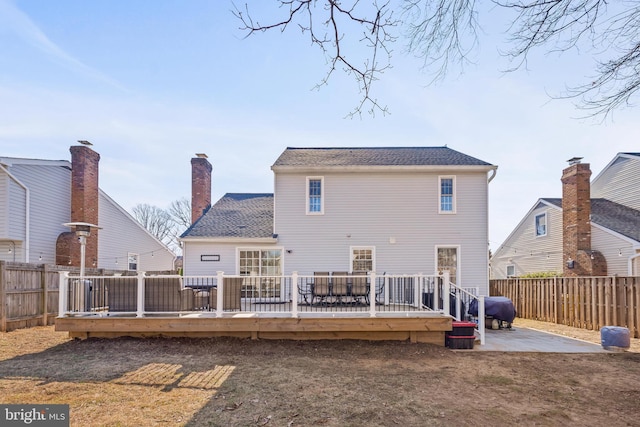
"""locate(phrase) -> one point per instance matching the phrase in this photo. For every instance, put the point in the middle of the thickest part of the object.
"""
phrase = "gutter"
(27, 207)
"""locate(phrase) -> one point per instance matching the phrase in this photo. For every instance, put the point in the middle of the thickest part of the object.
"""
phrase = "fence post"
(63, 293)
(3, 297)
(45, 296)
(140, 302)
(372, 294)
(219, 293)
(294, 294)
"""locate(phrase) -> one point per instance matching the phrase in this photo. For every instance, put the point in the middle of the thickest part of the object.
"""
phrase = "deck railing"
(334, 295)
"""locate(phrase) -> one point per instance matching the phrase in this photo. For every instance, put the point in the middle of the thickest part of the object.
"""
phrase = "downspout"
(26, 211)
(630, 267)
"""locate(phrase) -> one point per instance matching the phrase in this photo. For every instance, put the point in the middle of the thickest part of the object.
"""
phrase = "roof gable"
(236, 215)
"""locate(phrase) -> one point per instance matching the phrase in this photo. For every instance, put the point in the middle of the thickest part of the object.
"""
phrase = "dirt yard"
(229, 382)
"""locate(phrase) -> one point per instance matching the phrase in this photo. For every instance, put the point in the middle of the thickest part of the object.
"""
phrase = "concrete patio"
(520, 339)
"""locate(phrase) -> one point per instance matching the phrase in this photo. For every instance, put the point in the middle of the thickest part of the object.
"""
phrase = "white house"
(399, 210)
(603, 238)
(38, 196)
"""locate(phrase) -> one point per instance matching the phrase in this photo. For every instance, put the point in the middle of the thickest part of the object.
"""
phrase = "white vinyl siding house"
(35, 196)
(122, 235)
(615, 226)
(526, 250)
(619, 181)
(356, 209)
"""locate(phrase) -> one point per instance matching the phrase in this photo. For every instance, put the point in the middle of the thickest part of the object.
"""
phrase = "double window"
(264, 266)
(315, 195)
(541, 224)
(447, 193)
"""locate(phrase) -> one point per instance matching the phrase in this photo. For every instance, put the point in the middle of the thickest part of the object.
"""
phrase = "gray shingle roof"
(614, 216)
(376, 156)
(239, 215)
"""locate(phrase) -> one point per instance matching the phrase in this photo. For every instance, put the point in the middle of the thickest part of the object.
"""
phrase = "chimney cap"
(84, 142)
(202, 155)
(574, 160)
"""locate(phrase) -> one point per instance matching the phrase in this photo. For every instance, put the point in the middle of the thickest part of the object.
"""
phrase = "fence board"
(585, 302)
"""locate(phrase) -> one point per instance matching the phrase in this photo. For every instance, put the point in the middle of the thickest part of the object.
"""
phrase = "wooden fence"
(29, 293)
(581, 302)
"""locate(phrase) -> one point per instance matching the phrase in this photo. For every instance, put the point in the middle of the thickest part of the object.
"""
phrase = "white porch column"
(63, 293)
(372, 294)
(140, 301)
(294, 294)
(481, 318)
(219, 293)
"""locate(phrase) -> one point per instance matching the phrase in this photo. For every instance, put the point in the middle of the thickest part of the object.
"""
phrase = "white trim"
(388, 168)
(243, 240)
(362, 247)
(307, 196)
(453, 194)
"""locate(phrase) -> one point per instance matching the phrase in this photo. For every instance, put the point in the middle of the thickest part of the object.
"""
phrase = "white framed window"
(447, 194)
(511, 270)
(315, 195)
(363, 259)
(541, 224)
(132, 261)
(447, 259)
(264, 266)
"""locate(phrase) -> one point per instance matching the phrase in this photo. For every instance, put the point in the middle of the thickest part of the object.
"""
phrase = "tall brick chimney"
(200, 186)
(84, 207)
(579, 258)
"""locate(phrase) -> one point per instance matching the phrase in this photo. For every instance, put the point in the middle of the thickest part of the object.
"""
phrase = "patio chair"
(339, 284)
(359, 288)
(320, 288)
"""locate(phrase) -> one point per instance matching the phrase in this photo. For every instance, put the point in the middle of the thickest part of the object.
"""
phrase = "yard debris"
(264, 421)
(233, 407)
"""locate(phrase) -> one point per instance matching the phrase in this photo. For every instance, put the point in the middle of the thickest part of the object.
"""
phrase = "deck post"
(372, 294)
(63, 293)
(416, 290)
(446, 291)
(481, 318)
(220, 293)
(386, 290)
(140, 300)
(436, 293)
(294, 294)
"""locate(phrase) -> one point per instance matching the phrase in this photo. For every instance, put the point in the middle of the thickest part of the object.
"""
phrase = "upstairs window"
(541, 224)
(315, 199)
(447, 194)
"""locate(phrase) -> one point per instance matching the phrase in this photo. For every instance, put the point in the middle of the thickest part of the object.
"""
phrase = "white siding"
(619, 182)
(615, 249)
(195, 267)
(4, 204)
(49, 207)
(122, 234)
(397, 213)
(530, 253)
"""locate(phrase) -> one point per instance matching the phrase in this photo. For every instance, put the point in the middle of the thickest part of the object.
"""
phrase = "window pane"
(446, 194)
(362, 260)
(448, 260)
(541, 225)
(315, 195)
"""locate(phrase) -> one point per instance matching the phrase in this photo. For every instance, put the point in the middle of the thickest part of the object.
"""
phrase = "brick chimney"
(200, 186)
(579, 259)
(84, 207)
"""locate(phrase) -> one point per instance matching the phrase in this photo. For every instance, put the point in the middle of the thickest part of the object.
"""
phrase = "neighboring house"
(38, 196)
(389, 210)
(594, 228)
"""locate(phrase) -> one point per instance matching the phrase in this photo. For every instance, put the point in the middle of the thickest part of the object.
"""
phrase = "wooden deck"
(425, 329)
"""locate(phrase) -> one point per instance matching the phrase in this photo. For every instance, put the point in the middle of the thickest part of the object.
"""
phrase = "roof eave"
(381, 168)
(262, 240)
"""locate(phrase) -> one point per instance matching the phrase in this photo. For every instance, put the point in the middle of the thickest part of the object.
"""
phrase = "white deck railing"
(295, 295)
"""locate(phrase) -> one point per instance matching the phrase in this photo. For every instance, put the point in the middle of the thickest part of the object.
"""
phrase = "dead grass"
(230, 382)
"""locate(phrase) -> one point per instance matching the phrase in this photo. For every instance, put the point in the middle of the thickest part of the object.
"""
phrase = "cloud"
(14, 20)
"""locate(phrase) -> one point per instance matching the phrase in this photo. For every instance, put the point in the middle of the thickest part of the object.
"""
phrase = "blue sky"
(151, 83)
